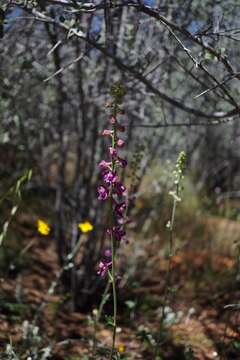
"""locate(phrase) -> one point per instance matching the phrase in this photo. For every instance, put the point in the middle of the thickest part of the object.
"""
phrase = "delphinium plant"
(114, 192)
(178, 176)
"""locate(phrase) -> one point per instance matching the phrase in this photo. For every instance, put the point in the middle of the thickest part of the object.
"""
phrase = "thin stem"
(104, 298)
(168, 280)
(113, 248)
(171, 252)
(114, 295)
(171, 244)
(98, 316)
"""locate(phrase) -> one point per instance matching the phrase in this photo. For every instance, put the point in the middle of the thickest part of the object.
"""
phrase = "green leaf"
(130, 304)
(109, 321)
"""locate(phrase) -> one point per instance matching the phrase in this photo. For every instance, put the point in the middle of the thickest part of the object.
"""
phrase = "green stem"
(113, 248)
(171, 244)
(168, 276)
(114, 295)
(98, 317)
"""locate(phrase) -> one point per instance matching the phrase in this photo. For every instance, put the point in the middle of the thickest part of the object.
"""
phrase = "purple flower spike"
(102, 193)
(109, 177)
(103, 268)
(122, 162)
(113, 189)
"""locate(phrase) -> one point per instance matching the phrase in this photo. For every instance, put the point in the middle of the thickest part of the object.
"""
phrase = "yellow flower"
(121, 348)
(85, 226)
(43, 227)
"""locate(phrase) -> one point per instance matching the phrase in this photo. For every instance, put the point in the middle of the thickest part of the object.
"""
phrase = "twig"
(131, 70)
(217, 85)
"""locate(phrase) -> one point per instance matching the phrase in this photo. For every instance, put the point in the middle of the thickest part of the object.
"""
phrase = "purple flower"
(109, 177)
(107, 132)
(102, 193)
(104, 165)
(112, 151)
(119, 127)
(120, 143)
(108, 253)
(103, 268)
(117, 231)
(113, 120)
(125, 220)
(120, 208)
(109, 231)
(119, 188)
(122, 162)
